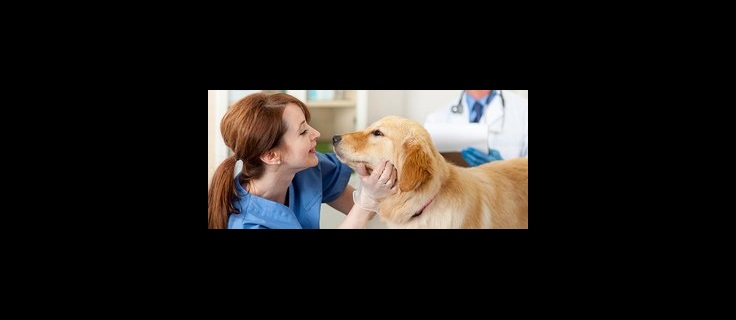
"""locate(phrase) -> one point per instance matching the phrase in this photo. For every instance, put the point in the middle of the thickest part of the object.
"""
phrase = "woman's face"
(299, 140)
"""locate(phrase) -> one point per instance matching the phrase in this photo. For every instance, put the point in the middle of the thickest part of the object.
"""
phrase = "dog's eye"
(377, 133)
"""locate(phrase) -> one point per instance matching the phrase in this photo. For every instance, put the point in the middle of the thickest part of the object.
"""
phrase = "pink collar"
(425, 207)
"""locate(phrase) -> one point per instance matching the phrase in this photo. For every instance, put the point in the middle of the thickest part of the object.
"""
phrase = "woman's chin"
(313, 160)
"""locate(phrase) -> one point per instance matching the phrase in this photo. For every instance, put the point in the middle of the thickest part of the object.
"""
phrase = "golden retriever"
(434, 193)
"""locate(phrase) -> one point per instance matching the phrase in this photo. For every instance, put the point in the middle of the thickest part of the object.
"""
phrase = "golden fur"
(493, 195)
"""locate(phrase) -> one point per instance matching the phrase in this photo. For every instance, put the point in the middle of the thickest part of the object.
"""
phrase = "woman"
(284, 180)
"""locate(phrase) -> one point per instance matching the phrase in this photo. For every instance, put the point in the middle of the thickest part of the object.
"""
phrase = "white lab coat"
(510, 136)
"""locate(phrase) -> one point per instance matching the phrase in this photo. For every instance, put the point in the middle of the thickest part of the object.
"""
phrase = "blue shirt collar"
(263, 211)
(471, 101)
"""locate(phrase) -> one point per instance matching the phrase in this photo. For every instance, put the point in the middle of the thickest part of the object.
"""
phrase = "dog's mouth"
(354, 163)
(368, 167)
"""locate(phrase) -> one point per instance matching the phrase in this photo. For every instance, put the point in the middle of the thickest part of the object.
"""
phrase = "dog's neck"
(403, 205)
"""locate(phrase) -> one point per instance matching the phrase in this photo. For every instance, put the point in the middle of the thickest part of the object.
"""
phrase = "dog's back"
(493, 195)
(506, 191)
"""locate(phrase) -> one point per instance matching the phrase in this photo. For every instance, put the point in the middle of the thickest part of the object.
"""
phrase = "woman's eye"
(377, 133)
(303, 132)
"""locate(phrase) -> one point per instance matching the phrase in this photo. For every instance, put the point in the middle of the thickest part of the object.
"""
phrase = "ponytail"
(221, 194)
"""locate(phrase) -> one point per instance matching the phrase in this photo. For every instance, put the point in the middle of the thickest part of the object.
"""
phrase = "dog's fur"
(493, 195)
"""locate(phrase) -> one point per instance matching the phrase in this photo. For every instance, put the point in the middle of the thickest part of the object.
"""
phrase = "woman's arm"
(344, 202)
(374, 187)
(357, 218)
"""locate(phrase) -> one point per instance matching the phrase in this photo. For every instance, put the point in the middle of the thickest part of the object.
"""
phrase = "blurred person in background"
(506, 114)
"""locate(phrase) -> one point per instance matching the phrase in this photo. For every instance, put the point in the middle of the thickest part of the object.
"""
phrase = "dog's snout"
(336, 139)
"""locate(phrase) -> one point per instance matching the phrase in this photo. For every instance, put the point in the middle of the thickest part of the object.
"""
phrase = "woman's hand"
(376, 186)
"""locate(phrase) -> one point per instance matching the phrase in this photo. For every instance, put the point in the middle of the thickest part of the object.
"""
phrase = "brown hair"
(252, 126)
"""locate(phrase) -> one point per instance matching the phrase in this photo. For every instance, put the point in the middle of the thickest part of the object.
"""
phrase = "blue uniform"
(309, 189)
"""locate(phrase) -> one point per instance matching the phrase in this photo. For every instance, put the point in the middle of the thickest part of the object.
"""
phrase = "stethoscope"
(458, 108)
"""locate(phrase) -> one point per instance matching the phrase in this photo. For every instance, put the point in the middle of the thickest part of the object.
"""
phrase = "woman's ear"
(271, 157)
(416, 169)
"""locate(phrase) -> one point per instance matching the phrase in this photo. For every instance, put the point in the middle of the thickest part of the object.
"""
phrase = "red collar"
(425, 207)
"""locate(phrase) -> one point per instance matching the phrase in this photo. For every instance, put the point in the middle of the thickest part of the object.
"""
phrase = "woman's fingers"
(378, 172)
(388, 170)
(392, 175)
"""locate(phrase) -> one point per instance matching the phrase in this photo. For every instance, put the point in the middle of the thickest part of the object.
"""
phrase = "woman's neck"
(272, 186)
(477, 94)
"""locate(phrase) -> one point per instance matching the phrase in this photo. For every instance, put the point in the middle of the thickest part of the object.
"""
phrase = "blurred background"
(333, 112)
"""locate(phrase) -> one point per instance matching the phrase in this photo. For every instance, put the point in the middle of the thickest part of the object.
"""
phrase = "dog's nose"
(336, 139)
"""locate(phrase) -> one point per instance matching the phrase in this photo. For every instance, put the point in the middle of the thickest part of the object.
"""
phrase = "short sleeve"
(335, 176)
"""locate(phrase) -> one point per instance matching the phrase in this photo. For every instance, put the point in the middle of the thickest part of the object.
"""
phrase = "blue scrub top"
(309, 189)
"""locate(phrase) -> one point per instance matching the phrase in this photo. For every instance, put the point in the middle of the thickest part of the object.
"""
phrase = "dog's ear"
(417, 167)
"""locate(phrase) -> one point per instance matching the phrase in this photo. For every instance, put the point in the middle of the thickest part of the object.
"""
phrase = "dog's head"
(402, 141)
